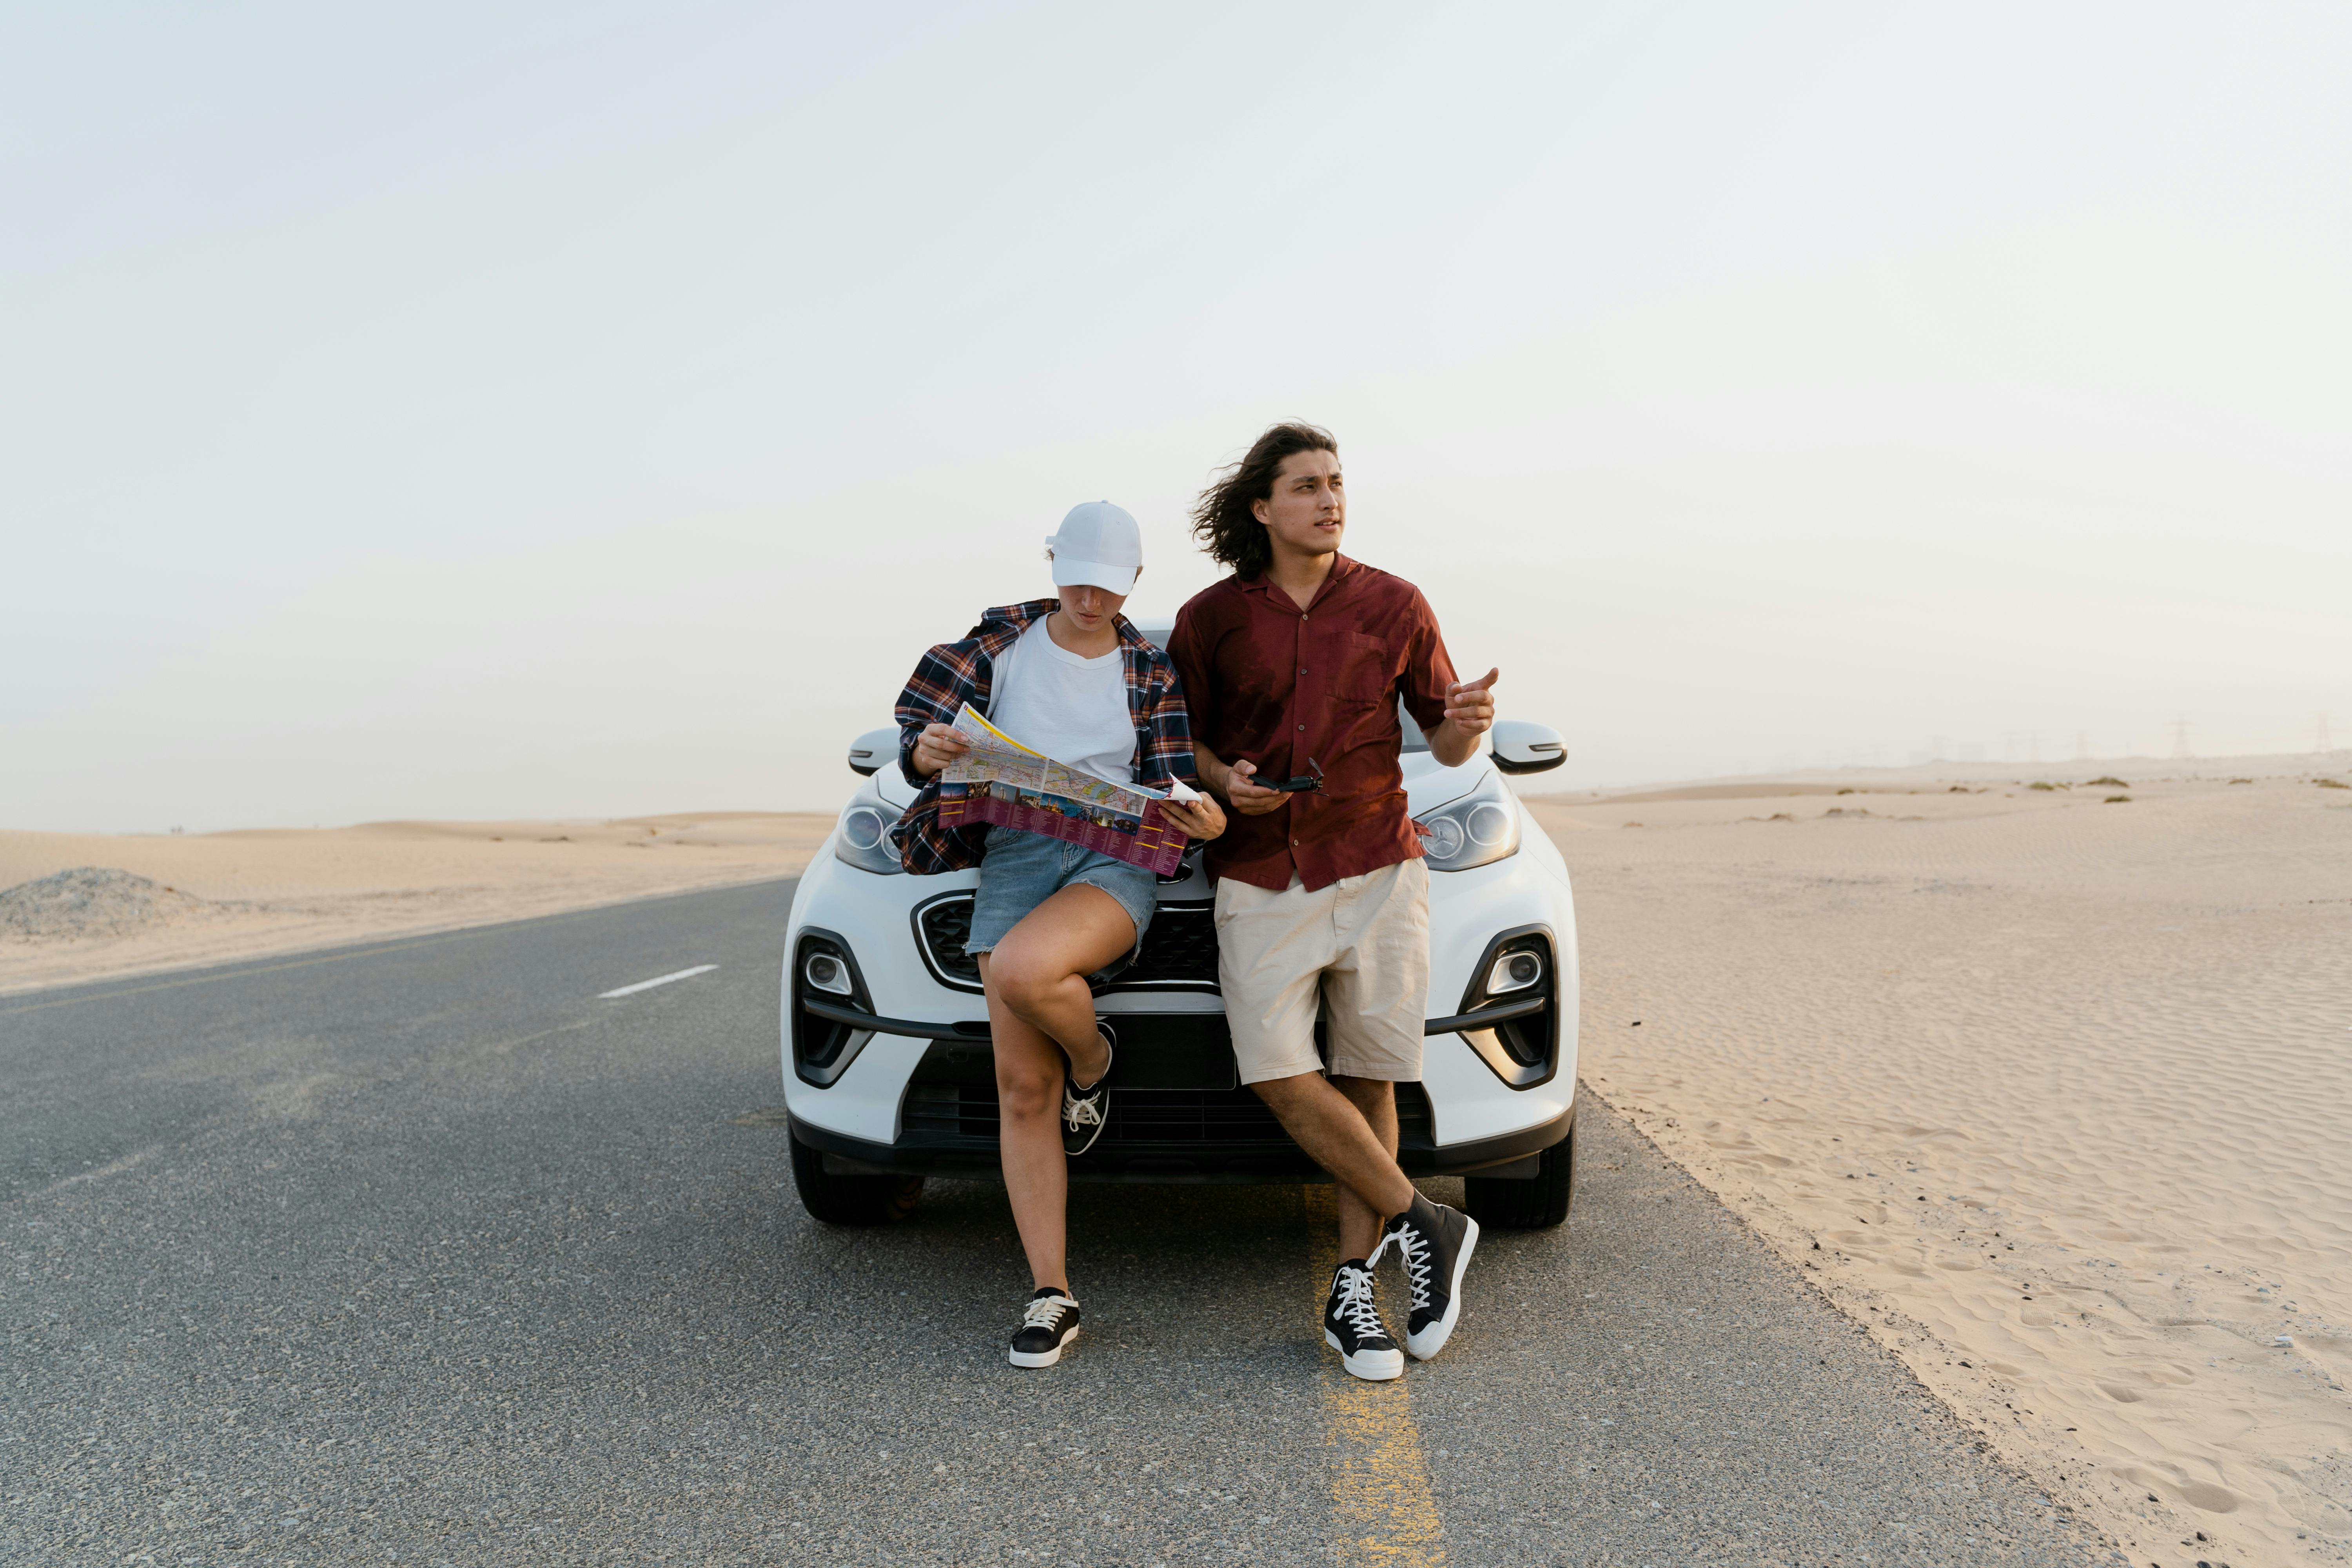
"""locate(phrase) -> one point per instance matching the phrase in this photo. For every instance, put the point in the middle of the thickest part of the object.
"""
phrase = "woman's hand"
(1203, 818)
(936, 747)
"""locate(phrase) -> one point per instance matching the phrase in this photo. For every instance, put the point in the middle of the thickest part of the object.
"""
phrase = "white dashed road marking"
(657, 980)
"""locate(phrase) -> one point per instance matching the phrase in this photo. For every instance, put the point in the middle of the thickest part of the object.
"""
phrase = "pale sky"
(585, 409)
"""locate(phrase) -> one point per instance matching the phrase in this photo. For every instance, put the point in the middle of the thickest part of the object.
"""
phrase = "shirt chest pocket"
(1364, 668)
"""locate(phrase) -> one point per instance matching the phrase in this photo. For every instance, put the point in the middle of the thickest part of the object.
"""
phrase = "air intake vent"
(963, 1114)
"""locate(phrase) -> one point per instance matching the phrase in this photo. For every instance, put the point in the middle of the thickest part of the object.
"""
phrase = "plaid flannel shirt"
(954, 674)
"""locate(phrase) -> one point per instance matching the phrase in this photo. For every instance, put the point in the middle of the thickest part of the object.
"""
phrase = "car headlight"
(1481, 826)
(866, 837)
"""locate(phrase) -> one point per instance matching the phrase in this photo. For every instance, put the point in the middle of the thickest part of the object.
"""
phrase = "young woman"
(1071, 678)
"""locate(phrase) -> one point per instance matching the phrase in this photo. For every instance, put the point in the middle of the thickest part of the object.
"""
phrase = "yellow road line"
(1381, 1495)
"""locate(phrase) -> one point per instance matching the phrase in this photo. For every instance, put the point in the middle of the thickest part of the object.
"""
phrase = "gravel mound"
(87, 901)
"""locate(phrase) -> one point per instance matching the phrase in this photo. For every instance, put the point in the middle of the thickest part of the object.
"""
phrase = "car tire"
(1522, 1204)
(836, 1199)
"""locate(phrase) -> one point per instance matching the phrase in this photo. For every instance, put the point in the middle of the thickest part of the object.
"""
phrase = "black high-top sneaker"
(1352, 1326)
(1047, 1326)
(1435, 1244)
(1084, 1110)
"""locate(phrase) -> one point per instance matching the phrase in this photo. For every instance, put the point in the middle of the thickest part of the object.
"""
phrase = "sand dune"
(2059, 1086)
(221, 896)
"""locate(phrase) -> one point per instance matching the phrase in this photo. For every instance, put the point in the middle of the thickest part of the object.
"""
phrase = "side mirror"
(878, 748)
(1521, 747)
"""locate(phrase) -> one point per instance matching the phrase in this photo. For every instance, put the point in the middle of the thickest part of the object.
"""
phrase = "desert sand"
(2051, 1090)
(222, 896)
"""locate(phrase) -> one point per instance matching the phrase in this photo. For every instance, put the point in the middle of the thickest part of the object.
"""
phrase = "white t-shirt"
(1074, 709)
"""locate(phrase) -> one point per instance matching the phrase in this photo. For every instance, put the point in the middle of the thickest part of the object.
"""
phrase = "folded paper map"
(1001, 781)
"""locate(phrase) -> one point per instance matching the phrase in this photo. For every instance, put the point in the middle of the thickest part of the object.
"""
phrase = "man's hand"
(936, 747)
(1470, 704)
(1250, 797)
(1469, 713)
(1203, 818)
(1236, 784)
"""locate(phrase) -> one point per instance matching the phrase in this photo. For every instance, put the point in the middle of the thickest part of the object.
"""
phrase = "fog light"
(1514, 972)
(826, 973)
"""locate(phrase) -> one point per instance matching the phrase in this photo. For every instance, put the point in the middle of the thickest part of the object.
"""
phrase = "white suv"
(888, 1072)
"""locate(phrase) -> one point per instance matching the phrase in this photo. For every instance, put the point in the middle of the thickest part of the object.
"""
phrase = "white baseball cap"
(1098, 545)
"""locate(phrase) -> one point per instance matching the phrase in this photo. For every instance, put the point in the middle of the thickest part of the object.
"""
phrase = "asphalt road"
(420, 1253)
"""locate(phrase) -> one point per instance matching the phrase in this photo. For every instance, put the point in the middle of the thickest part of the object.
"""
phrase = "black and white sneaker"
(1047, 1326)
(1084, 1110)
(1435, 1244)
(1352, 1326)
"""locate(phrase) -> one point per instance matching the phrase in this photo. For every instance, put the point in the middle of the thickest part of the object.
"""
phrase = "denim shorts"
(1021, 870)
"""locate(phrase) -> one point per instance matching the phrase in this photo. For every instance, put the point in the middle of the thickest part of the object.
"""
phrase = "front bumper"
(1179, 1113)
(1170, 1137)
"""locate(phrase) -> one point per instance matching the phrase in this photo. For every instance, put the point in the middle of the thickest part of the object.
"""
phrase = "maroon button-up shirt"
(1268, 682)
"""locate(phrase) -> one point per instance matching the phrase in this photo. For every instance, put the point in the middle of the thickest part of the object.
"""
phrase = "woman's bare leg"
(1033, 1019)
(1043, 963)
(1029, 1137)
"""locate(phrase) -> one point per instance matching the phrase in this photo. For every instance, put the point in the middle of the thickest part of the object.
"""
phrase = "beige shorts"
(1359, 947)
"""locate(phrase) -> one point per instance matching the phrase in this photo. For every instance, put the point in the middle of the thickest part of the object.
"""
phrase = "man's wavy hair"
(1221, 519)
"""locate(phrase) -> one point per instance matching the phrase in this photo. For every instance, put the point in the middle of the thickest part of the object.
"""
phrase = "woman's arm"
(944, 679)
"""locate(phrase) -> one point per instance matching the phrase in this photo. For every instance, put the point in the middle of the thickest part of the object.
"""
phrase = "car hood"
(892, 785)
(1430, 784)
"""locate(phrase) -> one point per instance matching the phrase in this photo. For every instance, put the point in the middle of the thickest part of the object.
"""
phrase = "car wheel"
(1524, 1204)
(837, 1199)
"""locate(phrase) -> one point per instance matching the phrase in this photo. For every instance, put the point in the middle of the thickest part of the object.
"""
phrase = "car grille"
(944, 927)
(1179, 947)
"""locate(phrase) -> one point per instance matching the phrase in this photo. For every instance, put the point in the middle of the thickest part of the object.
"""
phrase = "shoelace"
(1356, 1307)
(1419, 1260)
(1081, 1112)
(1045, 1312)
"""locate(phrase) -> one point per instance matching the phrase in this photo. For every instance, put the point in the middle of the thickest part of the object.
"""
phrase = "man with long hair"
(1294, 667)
